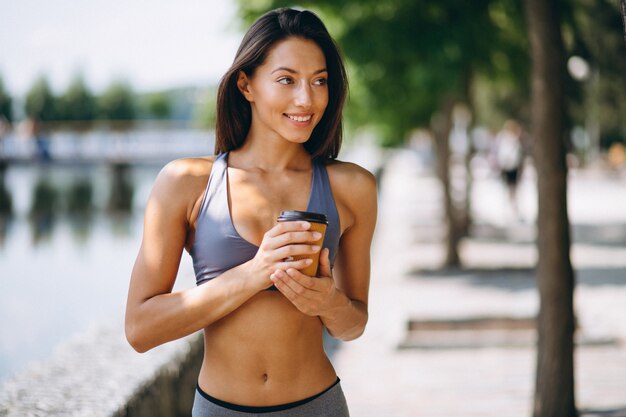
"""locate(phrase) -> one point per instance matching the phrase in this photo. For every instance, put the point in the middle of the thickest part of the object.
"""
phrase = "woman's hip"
(327, 403)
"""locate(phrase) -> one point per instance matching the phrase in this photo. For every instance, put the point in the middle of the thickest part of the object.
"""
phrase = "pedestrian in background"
(509, 156)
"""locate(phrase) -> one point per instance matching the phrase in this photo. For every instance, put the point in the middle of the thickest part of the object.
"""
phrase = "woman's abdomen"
(265, 353)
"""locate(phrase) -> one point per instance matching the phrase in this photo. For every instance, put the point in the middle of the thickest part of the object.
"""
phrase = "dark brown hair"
(234, 114)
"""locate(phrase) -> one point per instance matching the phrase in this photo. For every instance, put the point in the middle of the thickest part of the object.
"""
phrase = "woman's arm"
(341, 300)
(155, 315)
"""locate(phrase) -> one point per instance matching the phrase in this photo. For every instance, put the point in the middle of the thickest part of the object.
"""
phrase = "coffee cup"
(318, 222)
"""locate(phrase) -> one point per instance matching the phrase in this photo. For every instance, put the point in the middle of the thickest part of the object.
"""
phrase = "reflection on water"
(121, 196)
(70, 229)
(44, 208)
(80, 207)
(68, 246)
(72, 198)
(6, 203)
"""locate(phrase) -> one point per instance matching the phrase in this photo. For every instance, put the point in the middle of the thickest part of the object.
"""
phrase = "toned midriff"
(265, 353)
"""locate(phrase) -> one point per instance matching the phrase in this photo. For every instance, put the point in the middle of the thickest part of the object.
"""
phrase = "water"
(63, 271)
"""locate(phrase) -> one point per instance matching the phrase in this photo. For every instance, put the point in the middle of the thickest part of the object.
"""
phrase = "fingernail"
(308, 261)
(306, 225)
(317, 235)
(315, 248)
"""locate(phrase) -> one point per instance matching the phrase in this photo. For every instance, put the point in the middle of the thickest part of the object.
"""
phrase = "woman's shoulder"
(350, 181)
(354, 191)
(183, 178)
(349, 174)
(182, 168)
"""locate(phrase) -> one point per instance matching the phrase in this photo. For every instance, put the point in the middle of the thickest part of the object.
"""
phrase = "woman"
(279, 124)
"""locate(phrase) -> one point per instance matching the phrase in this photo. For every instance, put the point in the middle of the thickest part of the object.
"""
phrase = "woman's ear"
(243, 84)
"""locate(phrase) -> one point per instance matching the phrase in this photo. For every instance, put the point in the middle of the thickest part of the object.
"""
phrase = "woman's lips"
(300, 119)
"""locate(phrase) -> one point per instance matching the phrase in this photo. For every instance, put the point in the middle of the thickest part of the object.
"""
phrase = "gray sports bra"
(217, 247)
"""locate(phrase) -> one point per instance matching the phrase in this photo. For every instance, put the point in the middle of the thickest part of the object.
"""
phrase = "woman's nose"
(303, 95)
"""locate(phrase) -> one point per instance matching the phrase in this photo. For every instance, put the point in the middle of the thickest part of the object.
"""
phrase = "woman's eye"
(321, 81)
(284, 81)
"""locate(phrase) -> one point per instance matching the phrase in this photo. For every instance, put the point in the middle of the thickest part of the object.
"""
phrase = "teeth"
(300, 119)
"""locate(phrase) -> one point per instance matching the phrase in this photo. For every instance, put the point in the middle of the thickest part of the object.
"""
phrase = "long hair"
(234, 114)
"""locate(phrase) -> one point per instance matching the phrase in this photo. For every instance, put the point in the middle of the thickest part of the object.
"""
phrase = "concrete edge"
(96, 373)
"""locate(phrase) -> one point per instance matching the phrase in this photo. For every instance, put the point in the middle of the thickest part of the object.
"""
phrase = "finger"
(295, 292)
(324, 268)
(283, 227)
(294, 250)
(304, 280)
(296, 264)
(296, 237)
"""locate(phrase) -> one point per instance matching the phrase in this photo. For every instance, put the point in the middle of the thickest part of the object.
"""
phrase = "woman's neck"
(271, 155)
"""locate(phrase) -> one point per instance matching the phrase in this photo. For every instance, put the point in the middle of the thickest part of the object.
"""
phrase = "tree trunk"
(554, 386)
(469, 179)
(623, 3)
(441, 126)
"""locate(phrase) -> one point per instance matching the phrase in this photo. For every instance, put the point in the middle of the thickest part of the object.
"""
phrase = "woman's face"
(289, 92)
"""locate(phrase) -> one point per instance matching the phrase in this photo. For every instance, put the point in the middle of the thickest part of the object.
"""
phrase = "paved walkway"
(381, 380)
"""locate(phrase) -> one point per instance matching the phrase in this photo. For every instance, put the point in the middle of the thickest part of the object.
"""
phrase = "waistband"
(263, 409)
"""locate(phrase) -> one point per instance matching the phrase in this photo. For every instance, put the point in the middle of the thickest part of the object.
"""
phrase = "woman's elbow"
(135, 338)
(354, 334)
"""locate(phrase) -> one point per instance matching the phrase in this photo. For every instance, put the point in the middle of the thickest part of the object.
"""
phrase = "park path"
(453, 378)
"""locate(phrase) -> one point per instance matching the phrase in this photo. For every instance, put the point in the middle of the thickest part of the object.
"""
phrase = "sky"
(155, 44)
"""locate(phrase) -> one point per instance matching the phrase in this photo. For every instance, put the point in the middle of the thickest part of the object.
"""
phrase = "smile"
(299, 118)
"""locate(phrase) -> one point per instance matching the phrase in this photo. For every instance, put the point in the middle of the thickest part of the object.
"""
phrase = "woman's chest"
(255, 201)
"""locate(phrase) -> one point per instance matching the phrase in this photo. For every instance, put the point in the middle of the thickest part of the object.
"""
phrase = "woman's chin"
(301, 140)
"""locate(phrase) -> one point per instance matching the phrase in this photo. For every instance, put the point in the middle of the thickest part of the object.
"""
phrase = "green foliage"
(77, 103)
(595, 33)
(117, 102)
(40, 102)
(158, 105)
(6, 103)
(204, 112)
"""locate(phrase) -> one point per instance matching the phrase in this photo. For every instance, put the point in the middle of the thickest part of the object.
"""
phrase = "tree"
(554, 386)
(117, 102)
(77, 103)
(159, 105)
(204, 110)
(6, 104)
(40, 102)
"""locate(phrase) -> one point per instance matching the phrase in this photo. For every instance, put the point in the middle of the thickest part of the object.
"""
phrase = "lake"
(69, 266)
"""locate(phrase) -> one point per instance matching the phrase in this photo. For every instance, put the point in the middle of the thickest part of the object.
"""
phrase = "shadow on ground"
(520, 279)
(613, 412)
(610, 234)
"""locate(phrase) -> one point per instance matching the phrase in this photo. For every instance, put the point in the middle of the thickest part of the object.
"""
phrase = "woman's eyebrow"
(293, 71)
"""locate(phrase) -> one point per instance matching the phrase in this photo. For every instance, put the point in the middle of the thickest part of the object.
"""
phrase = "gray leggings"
(329, 403)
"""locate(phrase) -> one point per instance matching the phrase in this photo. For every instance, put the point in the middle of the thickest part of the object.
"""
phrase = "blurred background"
(96, 97)
(94, 100)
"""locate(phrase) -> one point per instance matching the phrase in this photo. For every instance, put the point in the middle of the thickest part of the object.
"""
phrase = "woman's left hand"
(313, 296)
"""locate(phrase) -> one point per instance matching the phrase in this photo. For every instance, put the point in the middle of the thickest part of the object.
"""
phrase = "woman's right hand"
(282, 242)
